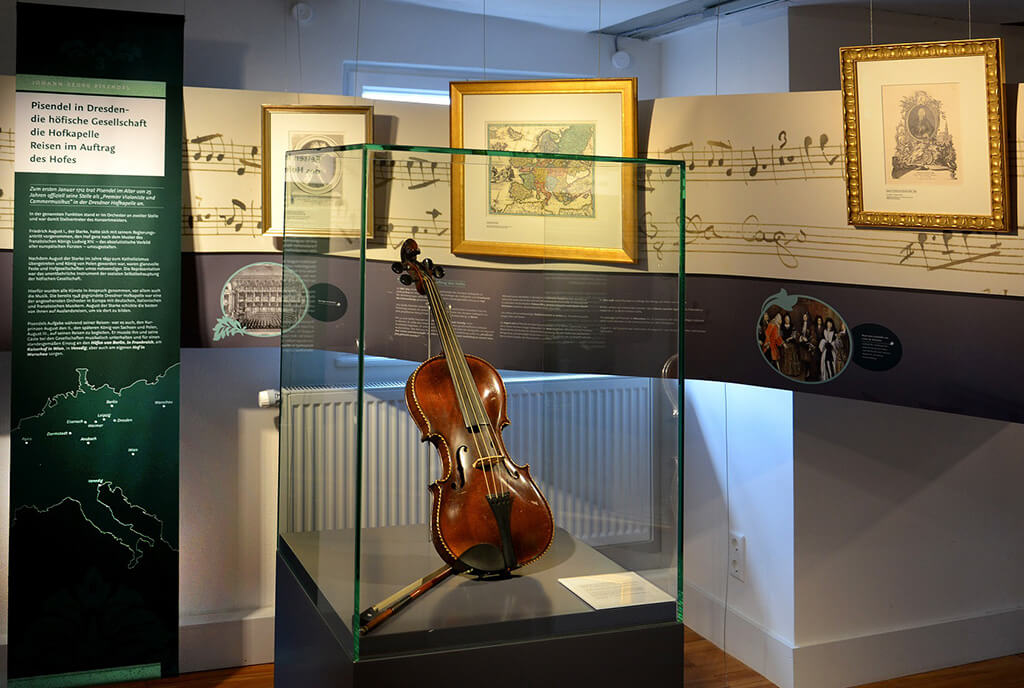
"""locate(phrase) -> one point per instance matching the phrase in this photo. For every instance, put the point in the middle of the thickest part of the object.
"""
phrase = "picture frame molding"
(627, 252)
(267, 159)
(991, 49)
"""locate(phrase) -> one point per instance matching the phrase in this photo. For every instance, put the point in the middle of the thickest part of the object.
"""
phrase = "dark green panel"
(95, 379)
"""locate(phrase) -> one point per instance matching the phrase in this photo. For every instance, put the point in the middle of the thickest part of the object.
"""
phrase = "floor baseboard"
(881, 656)
(742, 638)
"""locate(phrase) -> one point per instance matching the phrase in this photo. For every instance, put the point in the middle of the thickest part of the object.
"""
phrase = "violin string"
(481, 418)
(459, 373)
(480, 413)
(474, 402)
(458, 380)
(444, 332)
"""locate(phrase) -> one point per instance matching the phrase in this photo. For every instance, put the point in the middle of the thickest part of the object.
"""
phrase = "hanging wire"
(298, 34)
(599, 37)
(484, 34)
(718, 21)
(970, 29)
(871, 22)
(359, 19)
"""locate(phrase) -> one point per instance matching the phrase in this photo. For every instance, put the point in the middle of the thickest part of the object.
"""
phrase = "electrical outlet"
(737, 556)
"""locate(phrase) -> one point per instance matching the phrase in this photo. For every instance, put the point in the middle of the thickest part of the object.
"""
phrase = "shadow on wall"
(890, 455)
(215, 64)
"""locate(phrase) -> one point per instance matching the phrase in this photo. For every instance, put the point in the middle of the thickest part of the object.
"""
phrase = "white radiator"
(587, 440)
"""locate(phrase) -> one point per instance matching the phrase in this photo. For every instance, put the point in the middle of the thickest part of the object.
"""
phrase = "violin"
(488, 517)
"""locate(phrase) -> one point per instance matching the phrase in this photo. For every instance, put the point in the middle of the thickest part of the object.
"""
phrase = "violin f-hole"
(458, 465)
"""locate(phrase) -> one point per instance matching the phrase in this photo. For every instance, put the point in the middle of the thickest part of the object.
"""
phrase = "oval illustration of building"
(803, 338)
(254, 301)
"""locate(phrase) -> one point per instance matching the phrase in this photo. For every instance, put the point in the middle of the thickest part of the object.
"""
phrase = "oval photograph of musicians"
(803, 338)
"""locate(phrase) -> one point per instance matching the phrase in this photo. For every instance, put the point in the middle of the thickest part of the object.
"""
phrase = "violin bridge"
(486, 463)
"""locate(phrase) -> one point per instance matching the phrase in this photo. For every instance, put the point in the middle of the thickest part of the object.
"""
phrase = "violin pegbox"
(412, 271)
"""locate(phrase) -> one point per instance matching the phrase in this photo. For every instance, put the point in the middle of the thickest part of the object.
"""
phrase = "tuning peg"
(428, 264)
(438, 271)
(397, 268)
(405, 279)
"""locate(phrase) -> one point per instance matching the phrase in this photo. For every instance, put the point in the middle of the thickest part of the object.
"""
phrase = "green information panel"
(96, 317)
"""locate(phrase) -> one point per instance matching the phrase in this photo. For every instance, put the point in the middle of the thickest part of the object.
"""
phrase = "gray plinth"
(462, 619)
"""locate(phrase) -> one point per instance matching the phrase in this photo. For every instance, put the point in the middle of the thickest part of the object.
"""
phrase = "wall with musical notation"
(765, 191)
(766, 197)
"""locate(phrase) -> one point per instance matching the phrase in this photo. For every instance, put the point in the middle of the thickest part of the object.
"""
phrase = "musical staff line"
(211, 153)
(791, 244)
(237, 219)
(715, 159)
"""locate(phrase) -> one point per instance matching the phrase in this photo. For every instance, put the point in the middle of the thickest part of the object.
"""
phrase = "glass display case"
(480, 427)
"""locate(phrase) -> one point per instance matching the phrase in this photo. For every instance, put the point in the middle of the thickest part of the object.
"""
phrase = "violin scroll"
(411, 270)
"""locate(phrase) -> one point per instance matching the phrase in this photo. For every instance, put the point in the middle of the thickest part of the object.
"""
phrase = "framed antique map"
(322, 193)
(925, 135)
(559, 205)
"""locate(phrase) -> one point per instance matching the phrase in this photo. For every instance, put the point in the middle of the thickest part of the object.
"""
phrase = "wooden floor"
(704, 666)
(257, 676)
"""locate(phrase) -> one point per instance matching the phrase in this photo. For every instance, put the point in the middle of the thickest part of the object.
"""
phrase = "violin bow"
(374, 616)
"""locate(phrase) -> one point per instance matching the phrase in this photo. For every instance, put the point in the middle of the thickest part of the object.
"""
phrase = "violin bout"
(487, 514)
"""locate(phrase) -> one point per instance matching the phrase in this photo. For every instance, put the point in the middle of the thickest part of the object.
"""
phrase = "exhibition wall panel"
(95, 352)
(766, 235)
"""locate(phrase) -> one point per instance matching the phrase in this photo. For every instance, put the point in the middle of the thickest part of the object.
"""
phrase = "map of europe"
(536, 186)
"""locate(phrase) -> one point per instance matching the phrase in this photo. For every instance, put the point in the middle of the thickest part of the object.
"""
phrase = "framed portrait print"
(925, 132)
(322, 193)
(548, 208)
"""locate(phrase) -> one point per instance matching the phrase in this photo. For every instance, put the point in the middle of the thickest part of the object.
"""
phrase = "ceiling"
(574, 15)
(650, 18)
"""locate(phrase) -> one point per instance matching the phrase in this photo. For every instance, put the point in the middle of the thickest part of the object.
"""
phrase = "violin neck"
(465, 387)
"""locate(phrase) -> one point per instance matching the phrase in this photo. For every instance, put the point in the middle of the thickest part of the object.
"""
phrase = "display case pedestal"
(308, 654)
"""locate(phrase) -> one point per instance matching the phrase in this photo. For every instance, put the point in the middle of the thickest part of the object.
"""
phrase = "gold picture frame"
(925, 132)
(491, 114)
(323, 207)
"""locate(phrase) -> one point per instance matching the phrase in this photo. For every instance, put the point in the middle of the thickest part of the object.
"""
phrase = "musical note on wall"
(795, 142)
(222, 169)
(717, 158)
(7, 164)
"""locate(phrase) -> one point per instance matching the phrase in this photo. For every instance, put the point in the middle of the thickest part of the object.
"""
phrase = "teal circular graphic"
(803, 338)
(255, 302)
(327, 302)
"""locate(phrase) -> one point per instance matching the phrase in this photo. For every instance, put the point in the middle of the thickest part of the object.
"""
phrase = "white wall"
(747, 52)
(817, 32)
(737, 476)
(907, 527)
(257, 45)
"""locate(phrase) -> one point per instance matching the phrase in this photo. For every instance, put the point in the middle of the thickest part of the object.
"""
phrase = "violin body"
(487, 514)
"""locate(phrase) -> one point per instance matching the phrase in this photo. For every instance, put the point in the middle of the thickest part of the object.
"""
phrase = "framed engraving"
(321, 192)
(558, 207)
(925, 132)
